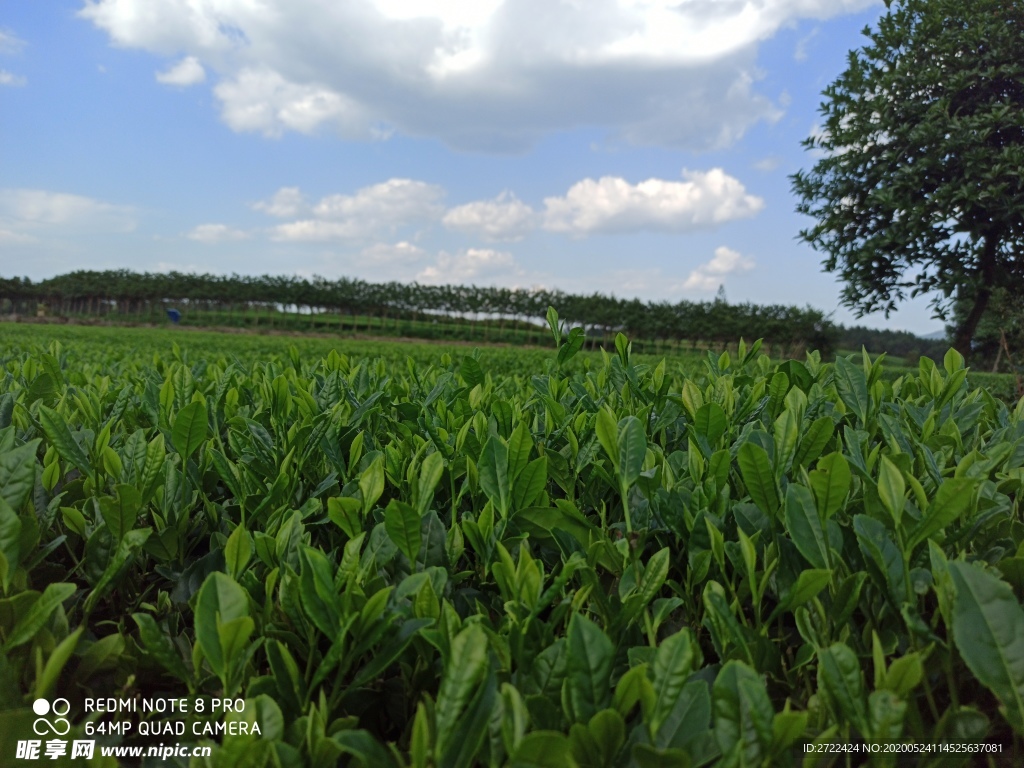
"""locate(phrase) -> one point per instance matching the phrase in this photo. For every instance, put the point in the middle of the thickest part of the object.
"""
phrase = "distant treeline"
(899, 343)
(147, 296)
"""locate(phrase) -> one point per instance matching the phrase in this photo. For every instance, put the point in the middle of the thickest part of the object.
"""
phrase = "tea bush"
(416, 563)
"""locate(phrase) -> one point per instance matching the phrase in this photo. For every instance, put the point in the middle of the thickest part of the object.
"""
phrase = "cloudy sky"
(634, 147)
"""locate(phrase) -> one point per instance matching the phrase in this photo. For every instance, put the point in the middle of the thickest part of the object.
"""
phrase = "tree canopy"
(917, 187)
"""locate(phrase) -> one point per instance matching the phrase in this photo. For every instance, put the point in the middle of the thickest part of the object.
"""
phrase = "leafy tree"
(918, 189)
(1003, 320)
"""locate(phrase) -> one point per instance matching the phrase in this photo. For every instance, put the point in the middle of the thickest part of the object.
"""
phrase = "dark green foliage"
(894, 343)
(918, 187)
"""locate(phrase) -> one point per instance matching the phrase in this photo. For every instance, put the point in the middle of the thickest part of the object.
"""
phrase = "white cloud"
(262, 100)
(216, 233)
(769, 163)
(186, 72)
(186, 268)
(29, 209)
(9, 42)
(371, 212)
(505, 218)
(611, 204)
(403, 252)
(15, 238)
(391, 201)
(286, 203)
(11, 79)
(315, 231)
(490, 74)
(800, 52)
(707, 277)
(469, 265)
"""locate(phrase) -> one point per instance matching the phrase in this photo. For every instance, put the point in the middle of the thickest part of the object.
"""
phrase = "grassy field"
(425, 327)
(246, 345)
(98, 343)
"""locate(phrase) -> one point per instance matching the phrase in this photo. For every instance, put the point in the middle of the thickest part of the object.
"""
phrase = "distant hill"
(935, 336)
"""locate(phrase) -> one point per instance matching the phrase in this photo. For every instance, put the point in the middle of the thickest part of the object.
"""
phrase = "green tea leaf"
(852, 386)
(58, 434)
(892, 489)
(38, 614)
(318, 593)
(588, 669)
(462, 676)
(346, 513)
(371, 484)
(556, 329)
(220, 600)
(804, 526)
(882, 553)
(831, 483)
(572, 345)
(904, 674)
(190, 428)
(471, 371)
(238, 551)
(520, 445)
(10, 542)
(808, 584)
(128, 549)
(743, 714)
(543, 749)
(787, 728)
(840, 677)
(786, 433)
(159, 646)
(402, 523)
(632, 448)
(18, 473)
(465, 740)
(608, 434)
(121, 512)
(674, 661)
(885, 716)
(494, 474)
(654, 576)
(988, 627)
(814, 441)
(710, 422)
(634, 687)
(56, 662)
(757, 475)
(431, 470)
(234, 638)
(952, 500)
(530, 484)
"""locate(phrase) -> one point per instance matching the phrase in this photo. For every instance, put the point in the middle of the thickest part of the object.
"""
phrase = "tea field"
(383, 555)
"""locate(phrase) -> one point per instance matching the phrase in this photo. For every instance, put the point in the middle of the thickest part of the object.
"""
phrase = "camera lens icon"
(59, 724)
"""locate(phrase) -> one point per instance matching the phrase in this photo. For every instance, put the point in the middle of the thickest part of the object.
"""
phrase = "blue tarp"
(174, 314)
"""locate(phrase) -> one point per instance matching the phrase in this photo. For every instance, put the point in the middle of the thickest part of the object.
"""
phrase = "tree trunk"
(965, 333)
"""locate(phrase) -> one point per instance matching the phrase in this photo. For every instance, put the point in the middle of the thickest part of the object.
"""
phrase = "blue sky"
(634, 147)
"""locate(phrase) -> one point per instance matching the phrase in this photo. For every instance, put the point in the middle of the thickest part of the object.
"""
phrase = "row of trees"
(145, 295)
